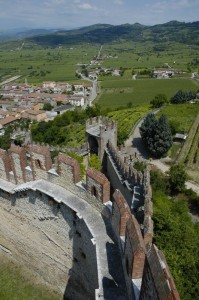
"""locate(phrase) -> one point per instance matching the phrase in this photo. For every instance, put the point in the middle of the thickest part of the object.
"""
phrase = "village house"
(3, 113)
(37, 115)
(164, 72)
(78, 86)
(77, 100)
(48, 84)
(7, 121)
(63, 108)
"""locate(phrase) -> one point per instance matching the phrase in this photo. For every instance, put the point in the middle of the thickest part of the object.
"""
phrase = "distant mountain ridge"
(181, 32)
(23, 33)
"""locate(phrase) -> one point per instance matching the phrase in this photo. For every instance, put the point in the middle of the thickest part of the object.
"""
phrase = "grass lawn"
(15, 285)
(181, 115)
(119, 92)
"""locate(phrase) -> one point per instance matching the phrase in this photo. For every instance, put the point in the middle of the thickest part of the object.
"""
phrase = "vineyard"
(126, 120)
(190, 150)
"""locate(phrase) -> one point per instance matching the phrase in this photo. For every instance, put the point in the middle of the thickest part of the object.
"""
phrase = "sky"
(78, 13)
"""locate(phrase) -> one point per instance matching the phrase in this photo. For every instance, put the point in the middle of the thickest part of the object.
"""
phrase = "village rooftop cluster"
(24, 101)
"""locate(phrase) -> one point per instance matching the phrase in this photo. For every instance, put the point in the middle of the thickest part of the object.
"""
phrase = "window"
(38, 164)
(94, 191)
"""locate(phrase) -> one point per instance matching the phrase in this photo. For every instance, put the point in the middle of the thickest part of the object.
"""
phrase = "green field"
(16, 284)
(149, 55)
(184, 118)
(181, 116)
(118, 92)
(39, 65)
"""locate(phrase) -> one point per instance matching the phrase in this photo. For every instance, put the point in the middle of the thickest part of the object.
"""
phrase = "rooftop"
(64, 107)
(8, 120)
(94, 130)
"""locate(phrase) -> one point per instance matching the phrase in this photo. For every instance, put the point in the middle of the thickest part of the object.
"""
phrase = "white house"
(77, 100)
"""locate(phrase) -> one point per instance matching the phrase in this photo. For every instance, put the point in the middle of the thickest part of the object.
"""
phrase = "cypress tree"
(156, 134)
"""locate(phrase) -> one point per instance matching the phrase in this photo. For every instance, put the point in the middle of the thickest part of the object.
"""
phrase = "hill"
(174, 31)
(22, 33)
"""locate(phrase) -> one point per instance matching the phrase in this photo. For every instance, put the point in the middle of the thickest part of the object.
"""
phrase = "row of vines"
(190, 150)
(126, 120)
(192, 159)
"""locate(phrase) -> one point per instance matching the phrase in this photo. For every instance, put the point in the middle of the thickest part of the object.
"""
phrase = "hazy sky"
(76, 13)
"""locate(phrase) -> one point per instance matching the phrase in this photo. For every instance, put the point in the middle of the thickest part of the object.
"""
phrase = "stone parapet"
(98, 185)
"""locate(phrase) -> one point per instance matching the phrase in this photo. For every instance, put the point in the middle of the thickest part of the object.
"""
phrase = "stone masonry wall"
(18, 163)
(98, 185)
(120, 214)
(37, 226)
(5, 166)
(117, 182)
(157, 281)
(40, 161)
(69, 168)
(51, 240)
(135, 245)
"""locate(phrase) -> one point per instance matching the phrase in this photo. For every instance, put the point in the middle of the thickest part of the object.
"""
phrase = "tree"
(156, 134)
(163, 137)
(183, 97)
(85, 72)
(159, 100)
(177, 178)
(47, 106)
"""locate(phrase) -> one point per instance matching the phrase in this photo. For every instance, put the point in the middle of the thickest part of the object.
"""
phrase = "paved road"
(99, 53)
(135, 144)
(10, 79)
(93, 94)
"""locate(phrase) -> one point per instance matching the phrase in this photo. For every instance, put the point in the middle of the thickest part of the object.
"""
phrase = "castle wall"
(120, 214)
(108, 133)
(40, 161)
(5, 167)
(117, 182)
(18, 163)
(51, 240)
(47, 225)
(98, 185)
(157, 281)
(68, 168)
(101, 131)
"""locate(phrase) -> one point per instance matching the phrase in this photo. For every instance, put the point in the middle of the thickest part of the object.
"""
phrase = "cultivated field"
(119, 92)
(185, 119)
(126, 119)
(39, 65)
(181, 116)
(149, 55)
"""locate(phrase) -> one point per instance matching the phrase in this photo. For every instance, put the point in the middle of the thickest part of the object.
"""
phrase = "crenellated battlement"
(105, 123)
(99, 131)
(108, 217)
